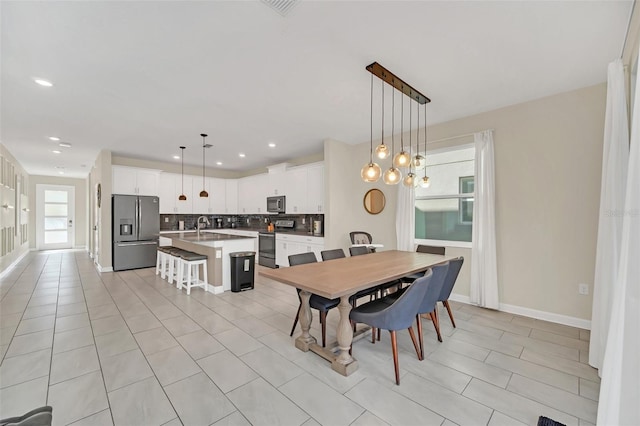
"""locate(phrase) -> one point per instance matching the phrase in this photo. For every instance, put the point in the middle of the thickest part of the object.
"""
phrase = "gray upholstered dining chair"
(452, 275)
(423, 249)
(359, 250)
(429, 303)
(398, 315)
(339, 254)
(322, 304)
(332, 254)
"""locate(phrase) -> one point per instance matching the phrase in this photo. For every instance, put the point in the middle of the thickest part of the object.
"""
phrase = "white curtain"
(619, 402)
(406, 218)
(484, 271)
(615, 158)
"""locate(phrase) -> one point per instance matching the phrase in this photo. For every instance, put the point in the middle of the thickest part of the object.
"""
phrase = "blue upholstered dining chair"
(339, 254)
(396, 316)
(423, 249)
(452, 275)
(429, 303)
(322, 304)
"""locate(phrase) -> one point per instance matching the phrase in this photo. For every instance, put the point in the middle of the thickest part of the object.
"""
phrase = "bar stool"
(189, 265)
(174, 264)
(162, 260)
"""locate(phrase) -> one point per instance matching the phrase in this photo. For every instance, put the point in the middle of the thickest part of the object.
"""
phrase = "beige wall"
(81, 214)
(548, 155)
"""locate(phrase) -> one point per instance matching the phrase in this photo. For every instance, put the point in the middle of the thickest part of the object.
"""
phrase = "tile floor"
(127, 348)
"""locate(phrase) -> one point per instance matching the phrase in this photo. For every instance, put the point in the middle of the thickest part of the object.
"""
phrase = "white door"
(55, 205)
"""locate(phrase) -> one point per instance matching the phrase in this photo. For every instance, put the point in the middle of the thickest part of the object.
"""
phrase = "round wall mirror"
(374, 201)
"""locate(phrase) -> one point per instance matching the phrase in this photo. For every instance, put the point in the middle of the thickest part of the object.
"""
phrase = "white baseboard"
(533, 313)
(13, 264)
(102, 269)
(216, 289)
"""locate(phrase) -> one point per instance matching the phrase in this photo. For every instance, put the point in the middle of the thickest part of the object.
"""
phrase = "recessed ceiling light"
(42, 82)
(242, 155)
(55, 151)
(272, 145)
(65, 144)
(176, 157)
(54, 138)
(219, 163)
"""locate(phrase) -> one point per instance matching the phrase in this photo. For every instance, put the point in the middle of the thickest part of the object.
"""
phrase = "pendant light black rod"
(371, 120)
(425, 138)
(393, 117)
(382, 136)
(386, 75)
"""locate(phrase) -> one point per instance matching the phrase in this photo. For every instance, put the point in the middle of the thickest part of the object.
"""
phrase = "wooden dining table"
(342, 278)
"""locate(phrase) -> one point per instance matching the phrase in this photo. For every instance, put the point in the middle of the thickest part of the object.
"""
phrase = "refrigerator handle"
(139, 214)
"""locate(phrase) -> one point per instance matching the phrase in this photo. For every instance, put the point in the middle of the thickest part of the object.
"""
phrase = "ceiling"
(142, 78)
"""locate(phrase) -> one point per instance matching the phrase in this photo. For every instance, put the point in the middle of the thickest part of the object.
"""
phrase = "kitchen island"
(217, 247)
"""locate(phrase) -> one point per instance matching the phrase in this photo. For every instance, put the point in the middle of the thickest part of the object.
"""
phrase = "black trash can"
(242, 270)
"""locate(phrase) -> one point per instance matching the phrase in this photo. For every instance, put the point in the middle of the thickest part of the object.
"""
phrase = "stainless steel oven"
(267, 249)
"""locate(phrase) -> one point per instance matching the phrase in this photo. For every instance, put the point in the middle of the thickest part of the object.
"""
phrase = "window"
(444, 211)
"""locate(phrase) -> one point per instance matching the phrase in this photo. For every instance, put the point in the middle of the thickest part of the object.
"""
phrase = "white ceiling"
(142, 78)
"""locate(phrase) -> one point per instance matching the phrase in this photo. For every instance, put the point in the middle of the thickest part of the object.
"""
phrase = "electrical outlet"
(166, 220)
(303, 220)
(583, 289)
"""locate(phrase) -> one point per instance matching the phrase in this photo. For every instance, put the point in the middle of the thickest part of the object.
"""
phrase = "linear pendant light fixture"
(204, 193)
(393, 175)
(182, 197)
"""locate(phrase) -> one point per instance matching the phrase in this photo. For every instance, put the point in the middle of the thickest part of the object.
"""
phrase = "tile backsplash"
(303, 223)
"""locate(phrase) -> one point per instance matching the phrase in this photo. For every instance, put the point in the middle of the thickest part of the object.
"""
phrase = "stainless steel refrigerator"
(135, 229)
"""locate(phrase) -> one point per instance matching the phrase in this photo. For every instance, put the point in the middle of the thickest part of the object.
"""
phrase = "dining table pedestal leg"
(305, 340)
(344, 363)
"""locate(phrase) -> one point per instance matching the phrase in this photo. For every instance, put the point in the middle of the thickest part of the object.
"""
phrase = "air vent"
(281, 6)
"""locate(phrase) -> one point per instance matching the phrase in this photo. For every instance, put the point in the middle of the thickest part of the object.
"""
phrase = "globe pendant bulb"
(402, 159)
(382, 151)
(392, 176)
(370, 172)
(425, 182)
(409, 180)
(418, 162)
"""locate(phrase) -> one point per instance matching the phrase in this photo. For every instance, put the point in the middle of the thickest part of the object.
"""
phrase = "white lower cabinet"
(286, 245)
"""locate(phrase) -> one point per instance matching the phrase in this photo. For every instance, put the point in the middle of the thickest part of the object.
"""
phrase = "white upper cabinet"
(217, 196)
(277, 180)
(252, 194)
(171, 187)
(201, 204)
(315, 188)
(296, 190)
(135, 181)
(231, 196)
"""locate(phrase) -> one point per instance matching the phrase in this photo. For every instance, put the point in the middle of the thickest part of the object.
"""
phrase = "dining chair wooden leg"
(420, 337)
(394, 348)
(415, 343)
(446, 305)
(373, 335)
(434, 319)
(295, 320)
(323, 321)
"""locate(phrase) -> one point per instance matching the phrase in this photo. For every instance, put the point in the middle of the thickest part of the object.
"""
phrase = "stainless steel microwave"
(276, 204)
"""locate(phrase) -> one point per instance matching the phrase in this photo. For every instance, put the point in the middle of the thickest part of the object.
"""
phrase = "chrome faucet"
(206, 222)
